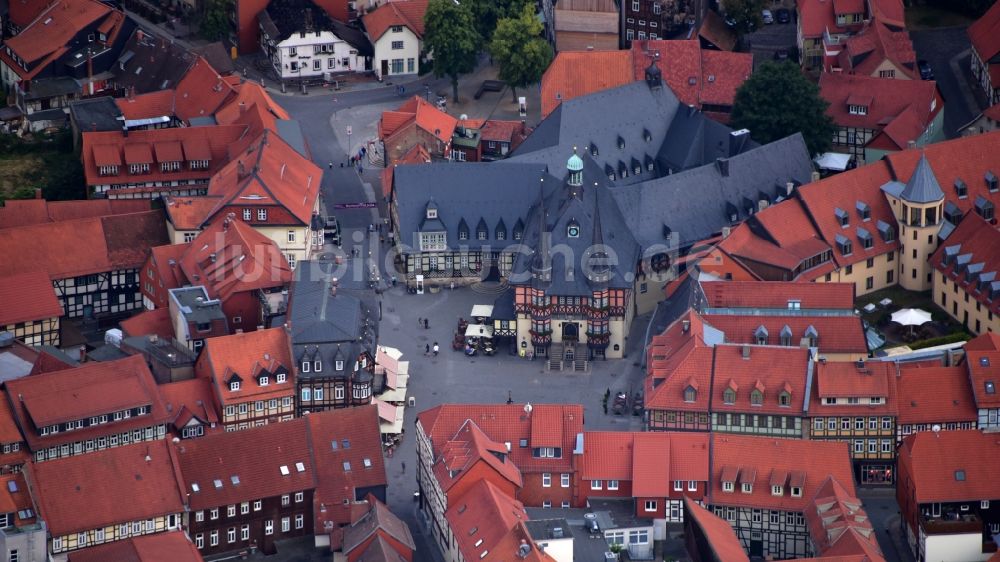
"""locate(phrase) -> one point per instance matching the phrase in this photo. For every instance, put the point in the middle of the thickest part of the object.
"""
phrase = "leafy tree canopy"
(486, 13)
(451, 38)
(520, 51)
(746, 13)
(777, 101)
(214, 23)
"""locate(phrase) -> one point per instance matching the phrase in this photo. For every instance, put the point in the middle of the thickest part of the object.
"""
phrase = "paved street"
(881, 507)
(770, 38)
(947, 51)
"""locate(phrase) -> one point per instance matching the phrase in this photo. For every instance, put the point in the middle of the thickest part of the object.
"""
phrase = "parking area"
(771, 38)
(948, 52)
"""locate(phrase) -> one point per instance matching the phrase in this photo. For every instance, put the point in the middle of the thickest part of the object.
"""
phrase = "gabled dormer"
(691, 390)
(463, 230)
(518, 232)
(431, 210)
(482, 231)
(760, 335)
(263, 377)
(757, 394)
(234, 382)
(500, 233)
(729, 394)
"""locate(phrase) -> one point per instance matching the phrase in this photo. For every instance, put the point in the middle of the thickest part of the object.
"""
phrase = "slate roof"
(922, 187)
(331, 327)
(96, 114)
(150, 64)
(290, 16)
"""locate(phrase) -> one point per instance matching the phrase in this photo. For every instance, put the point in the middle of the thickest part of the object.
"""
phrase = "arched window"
(690, 394)
(729, 396)
(784, 399)
(756, 398)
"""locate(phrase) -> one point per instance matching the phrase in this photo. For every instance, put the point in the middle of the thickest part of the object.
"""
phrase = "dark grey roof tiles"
(922, 187)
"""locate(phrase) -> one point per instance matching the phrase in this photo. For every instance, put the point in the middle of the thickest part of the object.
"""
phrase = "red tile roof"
(418, 111)
(271, 174)
(500, 130)
(465, 449)
(676, 360)
(714, 30)
(183, 144)
(201, 91)
(481, 519)
(837, 334)
(408, 13)
(607, 455)
(172, 546)
(818, 16)
(189, 399)
(842, 379)
(15, 499)
(843, 191)
(55, 28)
(770, 369)
(149, 322)
(650, 453)
(777, 294)
(147, 106)
(838, 524)
(503, 423)
(82, 392)
(984, 34)
(983, 364)
(80, 247)
(757, 459)
(933, 458)
(563, 80)
(28, 297)
(338, 488)
(231, 257)
(624, 456)
(130, 488)
(223, 473)
(930, 395)
(23, 12)
(865, 52)
(890, 102)
(24, 212)
(379, 519)
(188, 213)
(786, 239)
(718, 533)
(245, 355)
(978, 238)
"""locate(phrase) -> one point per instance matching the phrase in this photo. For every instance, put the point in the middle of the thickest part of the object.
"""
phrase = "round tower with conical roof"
(919, 208)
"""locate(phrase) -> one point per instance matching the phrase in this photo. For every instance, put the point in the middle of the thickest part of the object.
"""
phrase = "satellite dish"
(527, 408)
(936, 428)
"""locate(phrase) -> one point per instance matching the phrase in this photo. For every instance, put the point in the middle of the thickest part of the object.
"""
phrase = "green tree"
(486, 14)
(215, 21)
(520, 51)
(777, 101)
(451, 38)
(746, 13)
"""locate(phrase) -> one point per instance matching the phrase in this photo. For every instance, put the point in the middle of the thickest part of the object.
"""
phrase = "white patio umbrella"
(911, 317)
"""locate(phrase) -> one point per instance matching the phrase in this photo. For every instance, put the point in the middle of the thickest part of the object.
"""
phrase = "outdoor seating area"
(903, 318)
(477, 337)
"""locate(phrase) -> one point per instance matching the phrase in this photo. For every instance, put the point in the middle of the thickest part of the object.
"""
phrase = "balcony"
(952, 524)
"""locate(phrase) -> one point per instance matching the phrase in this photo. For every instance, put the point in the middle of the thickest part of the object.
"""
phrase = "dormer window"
(785, 399)
(501, 231)
(621, 143)
(306, 366)
(690, 394)
(593, 149)
(728, 487)
(961, 190)
(338, 365)
(857, 109)
(317, 366)
(463, 230)
(646, 135)
(886, 231)
(786, 335)
(844, 245)
(843, 219)
(729, 396)
(234, 386)
(866, 238)
(756, 397)
(264, 381)
(864, 211)
(280, 378)
(984, 207)
(482, 233)
(796, 492)
(747, 488)
(760, 335)
(777, 491)
(518, 230)
(812, 335)
(991, 182)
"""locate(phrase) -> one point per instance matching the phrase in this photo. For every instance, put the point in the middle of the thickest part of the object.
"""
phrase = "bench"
(489, 86)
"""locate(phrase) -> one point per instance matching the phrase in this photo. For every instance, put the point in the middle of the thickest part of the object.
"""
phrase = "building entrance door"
(570, 332)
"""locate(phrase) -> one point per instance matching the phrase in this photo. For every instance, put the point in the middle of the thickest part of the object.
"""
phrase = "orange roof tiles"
(842, 379)
(777, 294)
(337, 486)
(172, 546)
(465, 449)
(979, 239)
(55, 27)
(130, 488)
(245, 355)
(149, 322)
(270, 173)
(983, 364)
(984, 34)
(564, 81)
(190, 398)
(718, 533)
(546, 426)
(875, 44)
(650, 453)
(837, 334)
(230, 257)
(23, 12)
(607, 455)
(714, 30)
(812, 462)
(189, 213)
(930, 395)
(502, 423)
(418, 111)
(933, 458)
(772, 370)
(200, 92)
(218, 471)
(82, 392)
(79, 247)
(675, 357)
(416, 155)
(137, 153)
(22, 212)
(480, 520)
(148, 105)
(408, 13)
(27, 297)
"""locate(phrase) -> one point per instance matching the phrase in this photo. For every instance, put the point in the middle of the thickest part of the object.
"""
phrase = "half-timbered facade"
(136, 486)
(88, 408)
(252, 377)
(856, 402)
(652, 19)
(31, 311)
(983, 366)
(92, 263)
(934, 398)
(334, 332)
(764, 487)
(234, 502)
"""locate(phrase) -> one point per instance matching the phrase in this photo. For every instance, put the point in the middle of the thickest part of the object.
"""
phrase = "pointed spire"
(598, 239)
(598, 262)
(540, 265)
(922, 187)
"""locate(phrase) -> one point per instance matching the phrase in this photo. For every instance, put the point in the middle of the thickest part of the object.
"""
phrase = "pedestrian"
(361, 170)
(403, 464)
(436, 349)
(426, 324)
(331, 165)
(420, 322)
(427, 349)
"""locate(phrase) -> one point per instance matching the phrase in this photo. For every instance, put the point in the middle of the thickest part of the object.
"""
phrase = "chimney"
(745, 352)
(814, 176)
(726, 231)
(911, 144)
(243, 107)
(38, 193)
(83, 353)
(789, 188)
(212, 257)
(737, 140)
(685, 326)
(722, 164)
(524, 127)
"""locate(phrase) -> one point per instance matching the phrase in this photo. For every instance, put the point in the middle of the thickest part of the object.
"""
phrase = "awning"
(479, 331)
(834, 161)
(482, 311)
(390, 417)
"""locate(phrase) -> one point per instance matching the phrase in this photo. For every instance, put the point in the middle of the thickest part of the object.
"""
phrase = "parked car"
(767, 17)
(783, 15)
(781, 55)
(925, 70)
(620, 403)
(731, 21)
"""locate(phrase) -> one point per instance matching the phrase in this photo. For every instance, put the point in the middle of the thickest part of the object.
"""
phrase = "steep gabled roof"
(408, 13)
(931, 395)
(952, 466)
(172, 546)
(984, 34)
(201, 92)
(27, 297)
(378, 519)
(54, 28)
(718, 533)
(246, 354)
